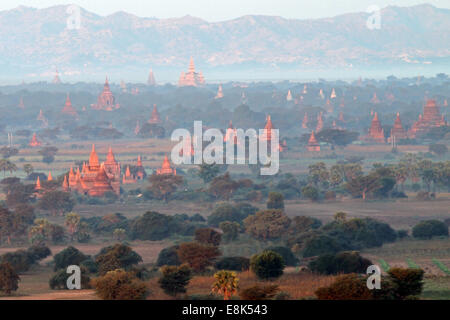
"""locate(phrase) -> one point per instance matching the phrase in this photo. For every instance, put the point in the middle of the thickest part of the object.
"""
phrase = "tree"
(6, 224)
(227, 212)
(163, 185)
(318, 175)
(275, 201)
(119, 285)
(233, 263)
(72, 223)
(208, 172)
(223, 186)
(361, 186)
(118, 256)
(175, 279)
(6, 165)
(48, 154)
(59, 280)
(8, 152)
(267, 224)
(408, 281)
(197, 256)
(28, 168)
(342, 262)
(286, 253)
(226, 283)
(152, 226)
(208, 236)
(43, 230)
(9, 279)
(430, 228)
(267, 265)
(230, 230)
(337, 137)
(258, 292)
(168, 256)
(310, 193)
(68, 256)
(119, 234)
(439, 149)
(345, 287)
(57, 202)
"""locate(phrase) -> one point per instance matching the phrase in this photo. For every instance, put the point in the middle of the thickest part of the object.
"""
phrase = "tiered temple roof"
(155, 119)
(289, 96)
(319, 125)
(191, 78)
(376, 132)
(305, 121)
(219, 94)
(34, 141)
(397, 131)
(68, 109)
(313, 145)
(431, 118)
(166, 168)
(106, 100)
(151, 78)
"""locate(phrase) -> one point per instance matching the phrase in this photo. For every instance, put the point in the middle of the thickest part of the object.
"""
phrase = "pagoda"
(431, 119)
(140, 173)
(319, 125)
(65, 184)
(321, 95)
(267, 133)
(191, 78)
(34, 141)
(341, 116)
(376, 132)
(137, 128)
(155, 119)
(305, 89)
(128, 178)
(40, 116)
(68, 109)
(101, 184)
(56, 79)
(106, 100)
(112, 167)
(289, 96)
(313, 145)
(219, 94)
(333, 94)
(397, 131)
(151, 79)
(187, 145)
(38, 184)
(305, 121)
(375, 99)
(49, 177)
(165, 168)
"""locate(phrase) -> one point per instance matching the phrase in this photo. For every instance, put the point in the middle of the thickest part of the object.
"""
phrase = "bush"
(168, 257)
(119, 285)
(38, 252)
(68, 256)
(9, 280)
(233, 264)
(275, 201)
(346, 287)
(267, 224)
(343, 262)
(19, 260)
(227, 212)
(118, 256)
(311, 193)
(59, 280)
(153, 226)
(408, 282)
(267, 265)
(258, 292)
(208, 236)
(430, 228)
(175, 279)
(198, 256)
(230, 230)
(288, 257)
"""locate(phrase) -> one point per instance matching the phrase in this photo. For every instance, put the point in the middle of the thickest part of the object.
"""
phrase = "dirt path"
(60, 295)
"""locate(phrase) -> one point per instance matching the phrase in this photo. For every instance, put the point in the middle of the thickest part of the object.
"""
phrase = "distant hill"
(37, 40)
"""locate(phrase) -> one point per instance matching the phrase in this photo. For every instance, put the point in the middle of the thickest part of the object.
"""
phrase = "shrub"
(321, 244)
(38, 252)
(9, 280)
(346, 287)
(227, 212)
(118, 256)
(267, 265)
(288, 257)
(233, 263)
(408, 282)
(119, 285)
(230, 230)
(59, 280)
(19, 260)
(430, 228)
(267, 224)
(68, 256)
(208, 236)
(343, 262)
(175, 279)
(402, 233)
(226, 284)
(153, 226)
(198, 256)
(168, 256)
(258, 292)
(275, 201)
(310, 193)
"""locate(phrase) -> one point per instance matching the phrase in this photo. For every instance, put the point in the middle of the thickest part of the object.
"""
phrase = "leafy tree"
(208, 172)
(233, 263)
(153, 226)
(8, 152)
(168, 256)
(276, 201)
(310, 193)
(6, 165)
(6, 224)
(430, 228)
(318, 175)
(43, 230)
(227, 212)
(362, 185)
(258, 292)
(72, 223)
(408, 282)
(119, 285)
(28, 168)
(267, 265)
(163, 185)
(226, 283)
(197, 256)
(345, 287)
(267, 224)
(118, 256)
(288, 257)
(230, 230)
(208, 236)
(342, 262)
(48, 154)
(175, 279)
(59, 280)
(9, 279)
(68, 256)
(337, 137)
(119, 234)
(223, 186)
(57, 202)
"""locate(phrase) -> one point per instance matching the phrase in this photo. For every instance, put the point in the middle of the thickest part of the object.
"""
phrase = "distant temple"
(341, 116)
(313, 145)
(333, 94)
(56, 79)
(106, 100)
(127, 178)
(155, 119)
(267, 133)
(305, 89)
(321, 95)
(305, 121)
(319, 125)
(375, 99)
(289, 96)
(137, 128)
(40, 116)
(68, 109)
(397, 131)
(140, 173)
(34, 141)
(431, 118)
(165, 168)
(191, 78)
(376, 132)
(219, 94)
(151, 78)
(21, 104)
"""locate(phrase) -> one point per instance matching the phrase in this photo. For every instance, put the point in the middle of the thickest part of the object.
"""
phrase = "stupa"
(191, 78)
(106, 100)
(376, 132)
(313, 145)
(219, 94)
(151, 78)
(68, 109)
(397, 131)
(165, 168)
(155, 119)
(34, 141)
(431, 119)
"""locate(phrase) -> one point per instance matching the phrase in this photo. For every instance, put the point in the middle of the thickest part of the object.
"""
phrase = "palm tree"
(6, 165)
(226, 283)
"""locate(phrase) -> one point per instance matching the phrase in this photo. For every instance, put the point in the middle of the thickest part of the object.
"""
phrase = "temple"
(56, 79)
(96, 179)
(267, 133)
(151, 78)
(191, 78)
(431, 118)
(376, 132)
(106, 100)
(155, 119)
(375, 99)
(313, 145)
(397, 131)
(219, 94)
(127, 178)
(68, 109)
(305, 89)
(137, 128)
(34, 141)
(21, 104)
(289, 96)
(139, 173)
(319, 125)
(305, 121)
(321, 95)
(165, 168)
(333, 94)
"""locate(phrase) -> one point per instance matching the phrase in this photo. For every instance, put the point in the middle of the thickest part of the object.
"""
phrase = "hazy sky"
(216, 10)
